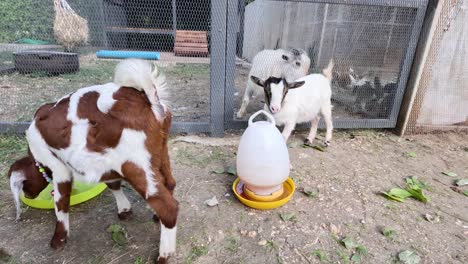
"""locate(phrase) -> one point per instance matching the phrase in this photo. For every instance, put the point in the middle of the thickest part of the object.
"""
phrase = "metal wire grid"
(120, 24)
(377, 38)
(449, 11)
(35, 74)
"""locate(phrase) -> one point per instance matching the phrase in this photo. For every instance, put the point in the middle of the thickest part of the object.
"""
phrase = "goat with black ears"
(300, 101)
(104, 133)
(290, 63)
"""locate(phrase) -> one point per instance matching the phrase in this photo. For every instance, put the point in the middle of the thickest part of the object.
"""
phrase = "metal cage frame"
(224, 17)
(420, 5)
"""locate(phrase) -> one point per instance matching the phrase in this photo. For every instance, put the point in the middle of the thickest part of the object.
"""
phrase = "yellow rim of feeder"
(264, 198)
(288, 185)
(81, 192)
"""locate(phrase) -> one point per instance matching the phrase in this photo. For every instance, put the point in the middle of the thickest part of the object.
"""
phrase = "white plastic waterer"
(262, 157)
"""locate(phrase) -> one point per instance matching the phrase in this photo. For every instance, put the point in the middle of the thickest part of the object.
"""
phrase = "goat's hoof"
(326, 143)
(161, 260)
(125, 215)
(155, 218)
(58, 243)
(307, 142)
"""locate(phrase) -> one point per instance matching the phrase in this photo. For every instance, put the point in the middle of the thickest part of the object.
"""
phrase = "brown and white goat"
(105, 133)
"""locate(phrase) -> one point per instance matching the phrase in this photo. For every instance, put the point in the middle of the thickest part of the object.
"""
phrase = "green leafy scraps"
(462, 182)
(414, 188)
(409, 257)
(119, 235)
(288, 217)
(450, 173)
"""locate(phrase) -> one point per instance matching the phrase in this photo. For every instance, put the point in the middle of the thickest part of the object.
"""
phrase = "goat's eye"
(298, 63)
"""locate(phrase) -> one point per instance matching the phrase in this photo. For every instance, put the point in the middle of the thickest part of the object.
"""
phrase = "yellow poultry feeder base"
(272, 201)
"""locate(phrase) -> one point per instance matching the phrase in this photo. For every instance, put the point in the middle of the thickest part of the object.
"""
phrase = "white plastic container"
(262, 156)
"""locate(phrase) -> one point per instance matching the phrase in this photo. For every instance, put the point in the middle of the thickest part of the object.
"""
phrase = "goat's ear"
(285, 57)
(257, 81)
(17, 179)
(25, 177)
(295, 85)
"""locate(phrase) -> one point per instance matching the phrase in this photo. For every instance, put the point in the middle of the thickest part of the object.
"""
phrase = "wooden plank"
(191, 43)
(191, 40)
(182, 38)
(191, 32)
(195, 45)
(192, 49)
(191, 54)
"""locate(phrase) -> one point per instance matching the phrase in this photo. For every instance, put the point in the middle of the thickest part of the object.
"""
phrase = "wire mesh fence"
(51, 48)
(206, 49)
(371, 44)
(441, 101)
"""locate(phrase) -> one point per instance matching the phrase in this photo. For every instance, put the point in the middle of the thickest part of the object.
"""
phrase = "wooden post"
(322, 35)
(174, 17)
(103, 23)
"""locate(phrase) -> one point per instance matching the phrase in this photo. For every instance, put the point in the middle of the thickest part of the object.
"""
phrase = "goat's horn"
(16, 185)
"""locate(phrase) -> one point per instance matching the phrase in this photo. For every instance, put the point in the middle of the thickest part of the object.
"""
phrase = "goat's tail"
(144, 76)
(328, 71)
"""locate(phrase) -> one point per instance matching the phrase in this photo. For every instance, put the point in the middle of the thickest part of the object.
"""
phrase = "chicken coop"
(206, 49)
(437, 96)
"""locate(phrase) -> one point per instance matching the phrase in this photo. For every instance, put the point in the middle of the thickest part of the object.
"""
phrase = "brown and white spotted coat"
(104, 133)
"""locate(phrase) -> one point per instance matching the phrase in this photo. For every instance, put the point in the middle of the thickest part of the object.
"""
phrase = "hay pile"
(70, 30)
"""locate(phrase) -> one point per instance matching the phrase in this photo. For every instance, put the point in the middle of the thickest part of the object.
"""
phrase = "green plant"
(320, 255)
(389, 232)
(233, 243)
(196, 252)
(271, 246)
(139, 260)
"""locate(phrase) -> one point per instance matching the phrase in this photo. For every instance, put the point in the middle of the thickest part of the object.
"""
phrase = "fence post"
(218, 66)
(231, 47)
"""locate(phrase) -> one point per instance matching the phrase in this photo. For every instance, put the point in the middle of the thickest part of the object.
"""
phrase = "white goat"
(291, 63)
(291, 106)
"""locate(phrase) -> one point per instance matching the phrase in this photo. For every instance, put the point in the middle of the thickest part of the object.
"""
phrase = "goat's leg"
(327, 116)
(313, 130)
(245, 101)
(62, 191)
(166, 208)
(124, 208)
(288, 129)
(165, 170)
(163, 204)
(62, 181)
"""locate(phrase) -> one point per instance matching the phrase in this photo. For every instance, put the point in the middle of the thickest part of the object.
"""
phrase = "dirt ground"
(346, 179)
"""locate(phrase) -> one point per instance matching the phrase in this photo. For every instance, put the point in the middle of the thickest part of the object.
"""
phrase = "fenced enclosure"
(370, 41)
(440, 97)
(206, 49)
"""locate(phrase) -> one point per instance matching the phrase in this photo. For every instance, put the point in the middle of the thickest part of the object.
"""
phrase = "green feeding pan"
(81, 192)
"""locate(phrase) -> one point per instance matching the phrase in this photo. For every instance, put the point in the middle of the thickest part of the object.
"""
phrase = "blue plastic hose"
(124, 54)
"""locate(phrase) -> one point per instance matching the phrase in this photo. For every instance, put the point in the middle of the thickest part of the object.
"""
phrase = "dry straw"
(70, 30)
